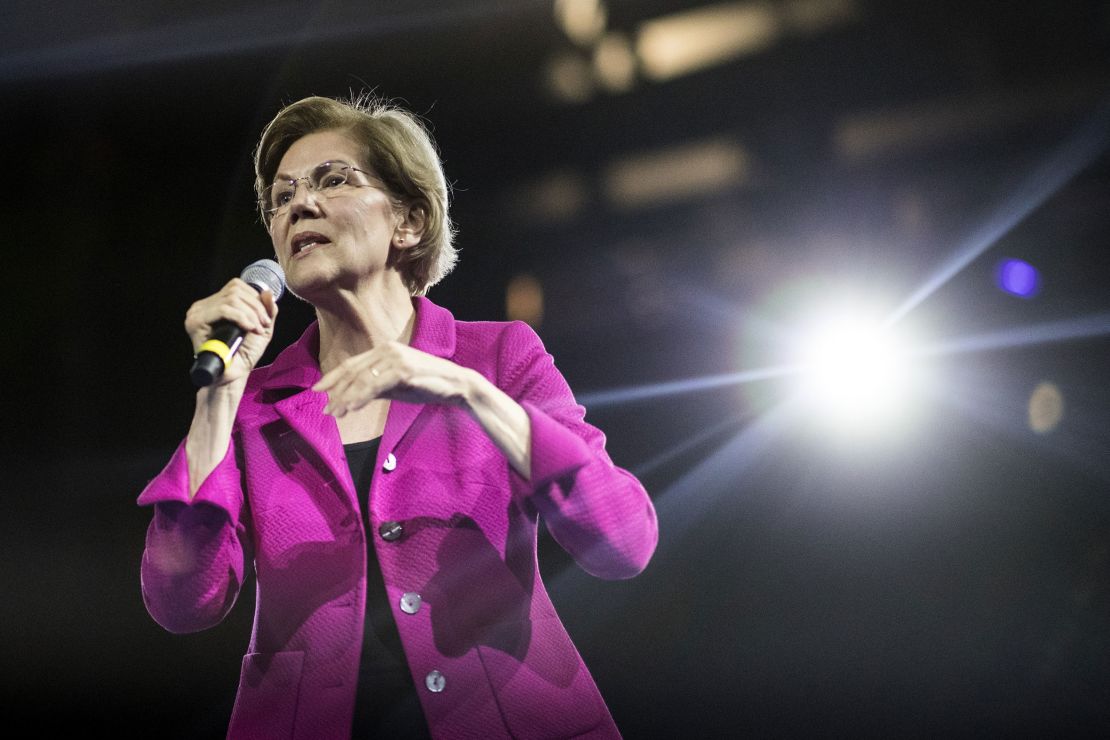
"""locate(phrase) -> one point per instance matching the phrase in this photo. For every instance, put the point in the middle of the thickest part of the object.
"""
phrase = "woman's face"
(329, 243)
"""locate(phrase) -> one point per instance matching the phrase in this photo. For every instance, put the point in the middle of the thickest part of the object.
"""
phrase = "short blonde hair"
(399, 150)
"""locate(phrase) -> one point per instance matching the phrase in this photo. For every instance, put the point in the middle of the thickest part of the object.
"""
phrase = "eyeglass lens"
(324, 177)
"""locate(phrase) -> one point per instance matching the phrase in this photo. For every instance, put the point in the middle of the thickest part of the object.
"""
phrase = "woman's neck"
(357, 321)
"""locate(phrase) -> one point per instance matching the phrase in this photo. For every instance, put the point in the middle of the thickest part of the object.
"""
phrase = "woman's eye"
(280, 196)
(332, 181)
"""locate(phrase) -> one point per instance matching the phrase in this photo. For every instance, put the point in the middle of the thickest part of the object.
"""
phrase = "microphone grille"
(265, 274)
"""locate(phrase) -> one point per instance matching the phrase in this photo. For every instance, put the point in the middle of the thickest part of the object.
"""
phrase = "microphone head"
(265, 275)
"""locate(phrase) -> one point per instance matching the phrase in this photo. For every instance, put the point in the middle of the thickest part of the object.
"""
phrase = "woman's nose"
(303, 203)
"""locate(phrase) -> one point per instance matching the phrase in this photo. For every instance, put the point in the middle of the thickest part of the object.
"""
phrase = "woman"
(385, 475)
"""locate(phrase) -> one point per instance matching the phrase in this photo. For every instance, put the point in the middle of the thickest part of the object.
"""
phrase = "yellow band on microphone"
(218, 348)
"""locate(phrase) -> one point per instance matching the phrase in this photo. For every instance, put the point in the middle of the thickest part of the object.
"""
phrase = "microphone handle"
(216, 353)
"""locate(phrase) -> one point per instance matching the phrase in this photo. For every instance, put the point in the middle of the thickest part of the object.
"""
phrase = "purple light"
(1018, 278)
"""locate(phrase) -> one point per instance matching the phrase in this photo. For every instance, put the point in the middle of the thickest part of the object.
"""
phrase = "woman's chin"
(306, 283)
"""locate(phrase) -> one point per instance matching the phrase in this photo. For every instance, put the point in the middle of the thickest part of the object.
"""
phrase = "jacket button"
(435, 682)
(410, 603)
(390, 531)
(390, 463)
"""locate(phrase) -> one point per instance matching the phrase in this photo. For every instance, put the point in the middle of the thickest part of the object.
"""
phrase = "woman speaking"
(384, 477)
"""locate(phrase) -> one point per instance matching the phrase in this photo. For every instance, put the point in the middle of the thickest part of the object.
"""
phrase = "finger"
(235, 315)
(354, 390)
(255, 304)
(235, 292)
(340, 395)
(362, 390)
(362, 403)
(252, 298)
(349, 368)
(333, 383)
(239, 315)
(329, 379)
(270, 303)
(238, 284)
(338, 404)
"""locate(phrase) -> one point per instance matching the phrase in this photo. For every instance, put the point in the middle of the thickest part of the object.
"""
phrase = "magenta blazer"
(454, 528)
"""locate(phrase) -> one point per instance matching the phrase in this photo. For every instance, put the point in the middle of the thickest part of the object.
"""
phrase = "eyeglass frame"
(268, 214)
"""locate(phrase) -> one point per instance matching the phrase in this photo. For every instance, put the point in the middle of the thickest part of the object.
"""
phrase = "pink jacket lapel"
(298, 367)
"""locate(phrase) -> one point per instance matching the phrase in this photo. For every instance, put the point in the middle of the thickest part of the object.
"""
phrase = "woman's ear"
(414, 220)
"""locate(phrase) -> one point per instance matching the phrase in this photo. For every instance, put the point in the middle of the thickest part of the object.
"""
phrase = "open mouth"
(308, 241)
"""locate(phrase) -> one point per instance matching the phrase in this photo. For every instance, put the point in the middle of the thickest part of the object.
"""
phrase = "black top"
(386, 704)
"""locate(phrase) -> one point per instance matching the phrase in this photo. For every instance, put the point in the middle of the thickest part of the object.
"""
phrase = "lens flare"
(854, 373)
(1018, 277)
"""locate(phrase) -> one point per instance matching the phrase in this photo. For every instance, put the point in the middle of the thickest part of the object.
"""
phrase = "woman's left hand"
(397, 372)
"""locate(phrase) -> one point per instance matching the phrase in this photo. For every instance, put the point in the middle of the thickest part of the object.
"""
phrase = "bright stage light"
(854, 371)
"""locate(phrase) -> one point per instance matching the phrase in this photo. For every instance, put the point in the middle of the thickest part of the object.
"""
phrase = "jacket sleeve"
(196, 551)
(598, 512)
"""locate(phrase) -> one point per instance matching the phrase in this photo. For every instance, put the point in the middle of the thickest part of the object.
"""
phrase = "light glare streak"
(697, 494)
(706, 490)
(647, 468)
(1084, 327)
(1064, 164)
(600, 399)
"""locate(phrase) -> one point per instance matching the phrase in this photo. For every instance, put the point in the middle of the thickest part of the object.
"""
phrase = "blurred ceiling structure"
(597, 131)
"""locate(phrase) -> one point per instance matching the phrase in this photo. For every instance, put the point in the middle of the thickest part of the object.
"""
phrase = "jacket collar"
(298, 365)
(297, 368)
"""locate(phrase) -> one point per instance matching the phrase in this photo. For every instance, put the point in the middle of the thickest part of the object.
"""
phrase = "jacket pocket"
(542, 686)
(266, 704)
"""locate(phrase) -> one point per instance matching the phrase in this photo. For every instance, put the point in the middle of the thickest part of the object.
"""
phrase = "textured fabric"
(386, 702)
(282, 501)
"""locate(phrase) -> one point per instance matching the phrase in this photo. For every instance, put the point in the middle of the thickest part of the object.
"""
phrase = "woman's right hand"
(241, 304)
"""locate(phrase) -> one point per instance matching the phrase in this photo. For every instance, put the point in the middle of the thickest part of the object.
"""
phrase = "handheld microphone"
(215, 354)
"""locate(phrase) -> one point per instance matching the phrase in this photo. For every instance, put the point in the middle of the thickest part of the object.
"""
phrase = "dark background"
(952, 577)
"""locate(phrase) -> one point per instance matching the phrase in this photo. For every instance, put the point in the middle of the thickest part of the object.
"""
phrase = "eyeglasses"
(327, 179)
